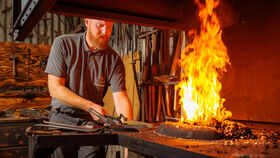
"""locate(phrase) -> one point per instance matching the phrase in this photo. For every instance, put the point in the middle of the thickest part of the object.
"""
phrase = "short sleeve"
(117, 81)
(56, 61)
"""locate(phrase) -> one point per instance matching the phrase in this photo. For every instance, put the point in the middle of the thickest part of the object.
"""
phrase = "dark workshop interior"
(164, 45)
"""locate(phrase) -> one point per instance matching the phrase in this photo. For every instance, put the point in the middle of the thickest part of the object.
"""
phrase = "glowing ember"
(202, 61)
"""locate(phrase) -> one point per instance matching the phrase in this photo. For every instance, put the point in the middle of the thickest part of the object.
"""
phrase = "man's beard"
(100, 41)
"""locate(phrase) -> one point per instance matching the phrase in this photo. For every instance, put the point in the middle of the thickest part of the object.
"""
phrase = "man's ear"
(86, 22)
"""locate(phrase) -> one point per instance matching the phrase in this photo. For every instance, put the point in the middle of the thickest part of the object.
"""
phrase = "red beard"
(100, 41)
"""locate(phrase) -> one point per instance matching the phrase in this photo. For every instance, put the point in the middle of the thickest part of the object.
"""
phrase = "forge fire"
(202, 61)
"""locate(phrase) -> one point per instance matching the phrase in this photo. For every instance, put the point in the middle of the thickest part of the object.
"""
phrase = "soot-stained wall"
(252, 84)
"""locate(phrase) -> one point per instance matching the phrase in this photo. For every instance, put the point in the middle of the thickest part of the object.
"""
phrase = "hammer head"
(13, 57)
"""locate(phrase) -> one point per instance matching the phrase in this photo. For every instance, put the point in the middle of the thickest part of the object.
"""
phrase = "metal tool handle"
(117, 120)
(104, 119)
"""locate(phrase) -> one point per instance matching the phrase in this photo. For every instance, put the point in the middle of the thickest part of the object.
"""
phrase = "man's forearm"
(63, 94)
(69, 98)
(123, 104)
(66, 96)
(126, 110)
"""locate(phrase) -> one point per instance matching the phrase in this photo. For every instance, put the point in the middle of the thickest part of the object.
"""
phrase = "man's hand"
(99, 109)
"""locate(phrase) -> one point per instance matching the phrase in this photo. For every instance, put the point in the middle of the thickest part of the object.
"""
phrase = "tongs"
(107, 119)
(116, 122)
(110, 124)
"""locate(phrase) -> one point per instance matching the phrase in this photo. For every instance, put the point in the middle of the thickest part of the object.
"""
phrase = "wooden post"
(159, 105)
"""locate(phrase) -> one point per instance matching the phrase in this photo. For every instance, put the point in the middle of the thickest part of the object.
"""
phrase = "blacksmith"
(80, 69)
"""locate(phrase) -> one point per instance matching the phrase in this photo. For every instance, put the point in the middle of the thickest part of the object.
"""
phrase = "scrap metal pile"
(235, 130)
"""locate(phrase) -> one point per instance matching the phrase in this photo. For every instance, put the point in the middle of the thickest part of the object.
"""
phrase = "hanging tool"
(14, 59)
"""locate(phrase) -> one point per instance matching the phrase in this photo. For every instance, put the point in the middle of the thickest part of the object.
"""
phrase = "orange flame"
(202, 61)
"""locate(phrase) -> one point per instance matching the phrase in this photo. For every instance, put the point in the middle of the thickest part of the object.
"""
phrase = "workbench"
(150, 143)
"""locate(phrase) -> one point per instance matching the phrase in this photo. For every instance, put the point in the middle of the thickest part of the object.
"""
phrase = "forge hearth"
(218, 130)
(180, 130)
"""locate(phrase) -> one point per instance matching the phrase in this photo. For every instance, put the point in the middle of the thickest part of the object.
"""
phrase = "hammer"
(14, 58)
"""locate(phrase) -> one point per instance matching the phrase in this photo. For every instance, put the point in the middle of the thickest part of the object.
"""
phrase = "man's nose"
(105, 30)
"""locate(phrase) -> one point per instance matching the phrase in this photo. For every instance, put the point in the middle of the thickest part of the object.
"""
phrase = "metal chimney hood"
(166, 14)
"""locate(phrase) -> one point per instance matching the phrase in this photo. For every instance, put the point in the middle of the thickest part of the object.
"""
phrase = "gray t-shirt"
(87, 73)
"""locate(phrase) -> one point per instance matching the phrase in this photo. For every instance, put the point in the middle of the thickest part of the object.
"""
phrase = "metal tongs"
(116, 124)
(107, 119)
(110, 124)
